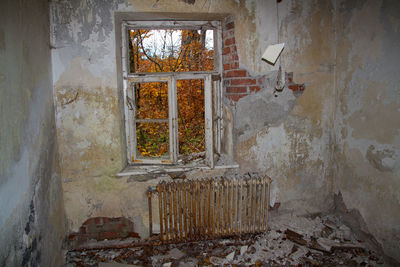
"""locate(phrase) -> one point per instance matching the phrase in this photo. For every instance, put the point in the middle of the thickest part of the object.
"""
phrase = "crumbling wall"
(286, 137)
(31, 205)
(289, 137)
(367, 116)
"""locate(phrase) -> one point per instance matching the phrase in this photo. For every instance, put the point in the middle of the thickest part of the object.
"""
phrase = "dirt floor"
(291, 241)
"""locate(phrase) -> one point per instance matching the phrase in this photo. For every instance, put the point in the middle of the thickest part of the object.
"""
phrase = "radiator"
(213, 207)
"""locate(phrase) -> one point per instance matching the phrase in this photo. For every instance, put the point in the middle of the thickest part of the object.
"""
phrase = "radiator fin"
(213, 207)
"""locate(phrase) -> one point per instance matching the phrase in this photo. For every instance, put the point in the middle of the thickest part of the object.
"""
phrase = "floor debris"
(291, 241)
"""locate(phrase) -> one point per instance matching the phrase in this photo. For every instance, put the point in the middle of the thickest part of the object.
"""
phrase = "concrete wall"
(368, 115)
(31, 203)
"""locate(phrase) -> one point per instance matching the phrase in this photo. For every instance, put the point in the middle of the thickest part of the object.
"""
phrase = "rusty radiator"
(212, 207)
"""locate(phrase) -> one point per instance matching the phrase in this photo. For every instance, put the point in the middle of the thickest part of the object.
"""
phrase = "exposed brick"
(255, 88)
(236, 89)
(235, 73)
(226, 51)
(109, 235)
(133, 234)
(227, 34)
(121, 227)
(230, 58)
(229, 41)
(72, 236)
(227, 66)
(228, 19)
(103, 228)
(235, 97)
(243, 81)
(297, 87)
(83, 229)
(235, 65)
(289, 77)
(260, 81)
(88, 221)
(229, 25)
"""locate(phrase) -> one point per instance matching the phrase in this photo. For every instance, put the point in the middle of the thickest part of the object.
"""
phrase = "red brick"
(289, 77)
(230, 41)
(255, 88)
(235, 65)
(83, 229)
(109, 235)
(243, 81)
(72, 236)
(227, 34)
(229, 26)
(97, 220)
(133, 234)
(236, 89)
(260, 81)
(121, 226)
(227, 59)
(88, 221)
(235, 97)
(227, 66)
(226, 51)
(297, 87)
(235, 73)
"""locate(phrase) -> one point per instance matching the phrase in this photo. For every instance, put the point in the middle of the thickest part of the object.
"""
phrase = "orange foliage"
(190, 54)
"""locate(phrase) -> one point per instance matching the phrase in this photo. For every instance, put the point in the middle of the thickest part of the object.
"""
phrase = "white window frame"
(212, 92)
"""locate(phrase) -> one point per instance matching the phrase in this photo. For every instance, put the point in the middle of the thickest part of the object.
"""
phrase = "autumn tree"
(170, 51)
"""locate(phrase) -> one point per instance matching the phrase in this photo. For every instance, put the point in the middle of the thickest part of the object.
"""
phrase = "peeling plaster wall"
(88, 108)
(368, 115)
(289, 137)
(31, 204)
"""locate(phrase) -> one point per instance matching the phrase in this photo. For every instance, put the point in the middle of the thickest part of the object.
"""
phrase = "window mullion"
(208, 121)
(174, 120)
(132, 118)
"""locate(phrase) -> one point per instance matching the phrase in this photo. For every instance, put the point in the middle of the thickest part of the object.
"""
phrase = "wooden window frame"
(212, 92)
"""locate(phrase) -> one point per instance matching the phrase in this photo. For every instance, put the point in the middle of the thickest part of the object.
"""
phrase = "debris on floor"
(291, 241)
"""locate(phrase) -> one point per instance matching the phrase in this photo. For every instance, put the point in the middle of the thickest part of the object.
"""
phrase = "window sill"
(161, 169)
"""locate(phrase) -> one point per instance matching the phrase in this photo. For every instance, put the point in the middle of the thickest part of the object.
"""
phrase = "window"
(172, 91)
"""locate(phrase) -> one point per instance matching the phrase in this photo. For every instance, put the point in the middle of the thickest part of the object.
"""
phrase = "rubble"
(291, 240)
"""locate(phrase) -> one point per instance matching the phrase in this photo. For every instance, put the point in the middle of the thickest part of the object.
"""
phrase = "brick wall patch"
(237, 81)
(101, 228)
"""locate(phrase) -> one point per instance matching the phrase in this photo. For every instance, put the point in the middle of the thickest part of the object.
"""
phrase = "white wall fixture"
(272, 52)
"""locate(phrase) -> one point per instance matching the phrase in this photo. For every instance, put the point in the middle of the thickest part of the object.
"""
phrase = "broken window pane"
(151, 100)
(152, 139)
(170, 50)
(191, 132)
